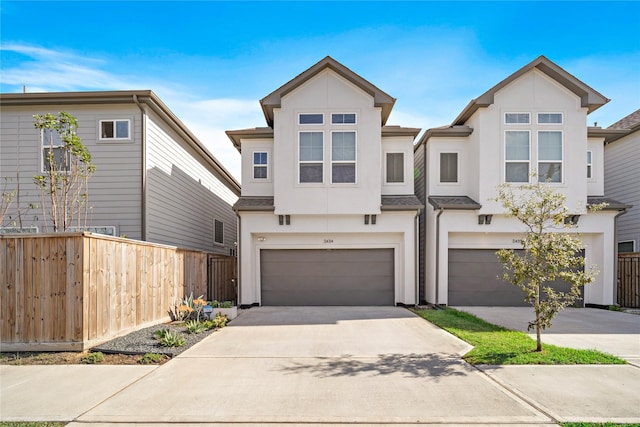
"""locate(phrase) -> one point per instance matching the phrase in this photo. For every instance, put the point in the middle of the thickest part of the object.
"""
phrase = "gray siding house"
(154, 180)
(622, 177)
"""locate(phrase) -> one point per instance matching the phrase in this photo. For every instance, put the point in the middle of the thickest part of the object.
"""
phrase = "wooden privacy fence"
(629, 280)
(72, 291)
(222, 278)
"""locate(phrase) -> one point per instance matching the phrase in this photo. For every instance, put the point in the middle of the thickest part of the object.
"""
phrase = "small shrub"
(220, 321)
(215, 304)
(226, 304)
(151, 358)
(92, 358)
(195, 326)
(188, 308)
(168, 338)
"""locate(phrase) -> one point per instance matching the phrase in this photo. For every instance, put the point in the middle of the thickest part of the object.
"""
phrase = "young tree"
(67, 169)
(549, 252)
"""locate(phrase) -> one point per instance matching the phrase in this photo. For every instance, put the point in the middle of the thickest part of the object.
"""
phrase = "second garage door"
(327, 277)
(473, 280)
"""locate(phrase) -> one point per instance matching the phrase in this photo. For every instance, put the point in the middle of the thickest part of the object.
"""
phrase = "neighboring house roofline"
(623, 127)
(253, 133)
(400, 131)
(589, 97)
(445, 132)
(609, 135)
(121, 97)
(380, 98)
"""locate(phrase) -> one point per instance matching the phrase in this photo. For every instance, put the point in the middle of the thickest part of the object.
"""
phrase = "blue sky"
(211, 61)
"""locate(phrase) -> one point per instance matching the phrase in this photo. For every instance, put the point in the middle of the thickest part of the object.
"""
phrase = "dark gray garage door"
(473, 280)
(327, 277)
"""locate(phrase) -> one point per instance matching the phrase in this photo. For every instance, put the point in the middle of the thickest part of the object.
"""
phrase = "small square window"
(343, 119)
(517, 118)
(115, 129)
(218, 232)
(311, 119)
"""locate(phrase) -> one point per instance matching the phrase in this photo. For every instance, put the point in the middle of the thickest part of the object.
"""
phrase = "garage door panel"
(327, 277)
(475, 278)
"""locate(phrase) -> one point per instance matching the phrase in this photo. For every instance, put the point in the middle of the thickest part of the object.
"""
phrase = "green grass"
(495, 345)
(599, 425)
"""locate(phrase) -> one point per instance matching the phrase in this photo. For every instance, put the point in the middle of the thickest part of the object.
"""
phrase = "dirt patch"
(68, 358)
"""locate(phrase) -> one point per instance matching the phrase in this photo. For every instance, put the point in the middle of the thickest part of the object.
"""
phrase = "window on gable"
(311, 157)
(311, 119)
(343, 157)
(395, 167)
(517, 118)
(549, 118)
(115, 129)
(218, 232)
(343, 119)
(589, 164)
(550, 156)
(53, 152)
(517, 154)
(448, 167)
(260, 165)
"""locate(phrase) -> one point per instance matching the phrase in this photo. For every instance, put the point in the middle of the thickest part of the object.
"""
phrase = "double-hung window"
(311, 157)
(343, 157)
(517, 155)
(550, 156)
(54, 153)
(115, 129)
(260, 165)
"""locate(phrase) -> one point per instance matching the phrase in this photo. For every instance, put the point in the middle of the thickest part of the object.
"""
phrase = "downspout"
(416, 232)
(238, 258)
(143, 200)
(438, 256)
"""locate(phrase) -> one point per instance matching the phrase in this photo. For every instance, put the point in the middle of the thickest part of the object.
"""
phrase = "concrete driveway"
(612, 332)
(319, 365)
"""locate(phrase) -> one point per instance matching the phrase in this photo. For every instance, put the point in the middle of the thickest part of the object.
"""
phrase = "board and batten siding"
(184, 194)
(115, 190)
(622, 182)
(420, 185)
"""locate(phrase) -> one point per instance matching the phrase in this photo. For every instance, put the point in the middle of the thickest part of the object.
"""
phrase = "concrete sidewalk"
(324, 366)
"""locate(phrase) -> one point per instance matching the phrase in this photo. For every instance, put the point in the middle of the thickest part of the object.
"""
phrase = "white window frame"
(115, 130)
(19, 230)
(528, 122)
(47, 147)
(457, 181)
(310, 114)
(386, 168)
(505, 161)
(560, 162)
(215, 223)
(254, 165)
(95, 229)
(590, 165)
(355, 115)
(549, 124)
(346, 162)
(321, 162)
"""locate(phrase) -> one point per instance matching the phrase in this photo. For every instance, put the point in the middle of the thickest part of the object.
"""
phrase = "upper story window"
(550, 156)
(115, 129)
(311, 157)
(218, 232)
(311, 119)
(517, 155)
(53, 152)
(395, 168)
(448, 167)
(343, 118)
(343, 157)
(517, 118)
(589, 164)
(260, 165)
(550, 118)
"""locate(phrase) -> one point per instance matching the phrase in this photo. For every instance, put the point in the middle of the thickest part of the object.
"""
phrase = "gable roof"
(138, 97)
(380, 98)
(623, 127)
(590, 98)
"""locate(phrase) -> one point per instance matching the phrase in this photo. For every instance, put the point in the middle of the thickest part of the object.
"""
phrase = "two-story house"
(622, 177)
(327, 214)
(154, 180)
(534, 121)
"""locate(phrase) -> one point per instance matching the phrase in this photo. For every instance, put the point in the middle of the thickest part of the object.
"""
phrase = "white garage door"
(327, 277)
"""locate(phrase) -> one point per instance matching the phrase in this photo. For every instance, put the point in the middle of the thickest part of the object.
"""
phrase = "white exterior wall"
(184, 194)
(327, 93)
(467, 184)
(397, 145)
(622, 182)
(460, 230)
(595, 184)
(260, 230)
(251, 186)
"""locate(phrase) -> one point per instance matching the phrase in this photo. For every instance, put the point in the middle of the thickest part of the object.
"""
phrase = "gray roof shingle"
(612, 205)
(454, 202)
(400, 203)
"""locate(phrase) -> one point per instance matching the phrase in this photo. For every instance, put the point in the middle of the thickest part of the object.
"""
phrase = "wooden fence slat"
(629, 280)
